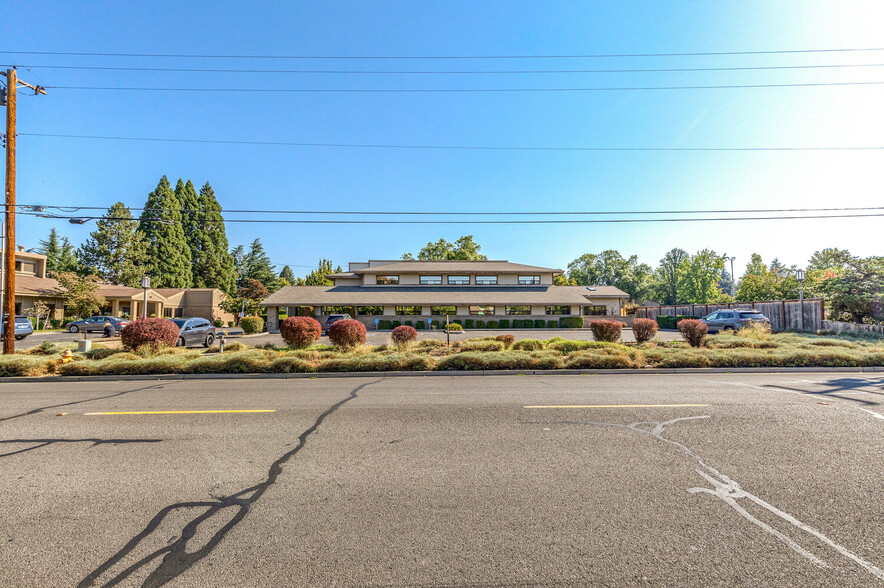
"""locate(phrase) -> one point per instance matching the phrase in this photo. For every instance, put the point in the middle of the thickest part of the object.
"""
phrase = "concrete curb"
(418, 374)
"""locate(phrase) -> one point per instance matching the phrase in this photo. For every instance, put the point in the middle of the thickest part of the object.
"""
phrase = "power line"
(71, 209)
(448, 72)
(455, 90)
(572, 56)
(439, 147)
(82, 220)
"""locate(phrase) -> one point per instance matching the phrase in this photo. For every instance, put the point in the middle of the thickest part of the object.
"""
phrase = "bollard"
(221, 343)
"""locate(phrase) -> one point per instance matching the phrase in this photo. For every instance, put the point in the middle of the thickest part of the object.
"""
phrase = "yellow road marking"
(612, 405)
(177, 412)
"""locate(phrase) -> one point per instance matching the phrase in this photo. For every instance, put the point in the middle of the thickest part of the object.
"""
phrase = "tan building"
(424, 290)
(31, 284)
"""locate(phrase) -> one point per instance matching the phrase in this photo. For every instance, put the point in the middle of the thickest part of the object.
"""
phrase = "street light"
(145, 283)
(800, 275)
(733, 278)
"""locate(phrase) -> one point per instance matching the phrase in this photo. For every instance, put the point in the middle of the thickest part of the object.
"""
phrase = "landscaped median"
(750, 349)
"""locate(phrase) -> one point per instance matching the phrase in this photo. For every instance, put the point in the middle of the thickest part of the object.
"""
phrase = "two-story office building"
(423, 290)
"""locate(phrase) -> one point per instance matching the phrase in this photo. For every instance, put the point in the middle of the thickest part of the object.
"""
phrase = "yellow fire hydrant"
(66, 356)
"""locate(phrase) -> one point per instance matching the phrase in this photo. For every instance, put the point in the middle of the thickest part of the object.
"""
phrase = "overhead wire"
(443, 147)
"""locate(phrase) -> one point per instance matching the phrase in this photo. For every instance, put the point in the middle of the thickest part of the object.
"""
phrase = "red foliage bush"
(403, 335)
(300, 332)
(606, 330)
(693, 331)
(347, 333)
(506, 339)
(644, 329)
(150, 332)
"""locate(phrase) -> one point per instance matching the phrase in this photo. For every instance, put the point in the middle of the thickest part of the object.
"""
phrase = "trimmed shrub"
(469, 324)
(150, 332)
(539, 324)
(504, 323)
(217, 323)
(671, 322)
(606, 330)
(404, 335)
(504, 360)
(506, 339)
(567, 346)
(396, 324)
(251, 324)
(455, 327)
(693, 331)
(491, 324)
(384, 325)
(605, 358)
(300, 332)
(408, 324)
(644, 329)
(480, 324)
(420, 325)
(457, 322)
(571, 322)
(528, 345)
(482, 345)
(348, 333)
(552, 324)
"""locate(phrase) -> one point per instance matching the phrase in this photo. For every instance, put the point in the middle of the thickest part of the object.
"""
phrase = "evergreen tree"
(255, 265)
(191, 219)
(168, 255)
(317, 276)
(51, 249)
(213, 265)
(288, 275)
(67, 258)
(116, 250)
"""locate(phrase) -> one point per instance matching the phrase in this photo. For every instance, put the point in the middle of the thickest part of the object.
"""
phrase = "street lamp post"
(800, 275)
(145, 283)
(733, 278)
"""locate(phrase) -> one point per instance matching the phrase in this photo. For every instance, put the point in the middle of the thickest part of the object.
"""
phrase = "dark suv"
(194, 331)
(733, 319)
(333, 318)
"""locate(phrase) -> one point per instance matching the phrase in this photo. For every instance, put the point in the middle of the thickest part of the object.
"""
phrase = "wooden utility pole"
(8, 306)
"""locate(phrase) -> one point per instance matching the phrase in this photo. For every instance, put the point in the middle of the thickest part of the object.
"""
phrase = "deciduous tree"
(115, 251)
(81, 294)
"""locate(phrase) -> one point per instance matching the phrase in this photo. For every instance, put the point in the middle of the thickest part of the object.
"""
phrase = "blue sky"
(93, 172)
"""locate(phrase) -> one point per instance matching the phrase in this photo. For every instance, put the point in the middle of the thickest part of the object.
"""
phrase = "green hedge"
(251, 324)
(671, 322)
(491, 324)
(504, 323)
(420, 325)
(480, 324)
(385, 325)
(397, 324)
(552, 324)
(539, 323)
(458, 322)
(408, 323)
(469, 324)
(571, 322)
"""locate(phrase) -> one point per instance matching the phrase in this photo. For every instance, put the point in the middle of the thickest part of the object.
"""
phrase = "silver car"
(194, 331)
(97, 323)
(733, 319)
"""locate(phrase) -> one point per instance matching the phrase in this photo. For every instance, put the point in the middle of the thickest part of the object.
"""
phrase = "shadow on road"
(42, 408)
(232, 509)
(46, 442)
(833, 388)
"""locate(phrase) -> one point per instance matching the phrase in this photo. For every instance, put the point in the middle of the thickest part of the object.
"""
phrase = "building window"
(336, 309)
(431, 280)
(440, 310)
(482, 310)
(529, 280)
(519, 309)
(595, 310)
(458, 280)
(409, 310)
(25, 267)
(387, 280)
(486, 280)
(558, 310)
(369, 310)
(125, 309)
(167, 312)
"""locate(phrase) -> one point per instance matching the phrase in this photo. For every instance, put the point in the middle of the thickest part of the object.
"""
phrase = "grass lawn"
(743, 349)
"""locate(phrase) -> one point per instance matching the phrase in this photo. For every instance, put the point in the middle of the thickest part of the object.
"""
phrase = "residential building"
(32, 284)
(423, 290)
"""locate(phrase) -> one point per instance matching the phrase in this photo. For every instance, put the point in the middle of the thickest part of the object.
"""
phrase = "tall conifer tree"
(212, 264)
(169, 260)
(116, 250)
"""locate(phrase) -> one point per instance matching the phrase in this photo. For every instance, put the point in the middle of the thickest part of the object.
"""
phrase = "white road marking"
(877, 415)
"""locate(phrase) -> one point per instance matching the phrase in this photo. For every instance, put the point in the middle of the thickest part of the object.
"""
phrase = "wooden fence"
(783, 314)
(853, 327)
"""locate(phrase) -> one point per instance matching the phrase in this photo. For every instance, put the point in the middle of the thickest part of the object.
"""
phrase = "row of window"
(477, 310)
(457, 280)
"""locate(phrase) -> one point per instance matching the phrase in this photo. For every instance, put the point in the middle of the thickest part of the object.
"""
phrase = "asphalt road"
(374, 337)
(604, 480)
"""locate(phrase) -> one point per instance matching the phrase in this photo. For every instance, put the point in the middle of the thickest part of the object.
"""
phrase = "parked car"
(194, 331)
(733, 319)
(333, 318)
(23, 327)
(96, 323)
